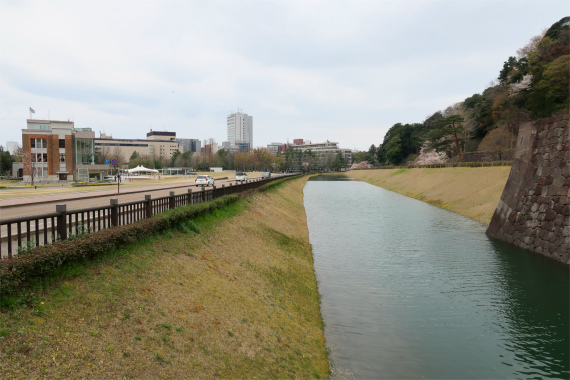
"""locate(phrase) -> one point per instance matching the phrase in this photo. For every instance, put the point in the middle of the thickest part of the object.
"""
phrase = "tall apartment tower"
(240, 131)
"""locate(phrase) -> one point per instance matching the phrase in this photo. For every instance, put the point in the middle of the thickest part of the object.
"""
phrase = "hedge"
(18, 271)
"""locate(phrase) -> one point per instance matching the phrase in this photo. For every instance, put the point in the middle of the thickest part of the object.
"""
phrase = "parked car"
(265, 175)
(241, 176)
(204, 180)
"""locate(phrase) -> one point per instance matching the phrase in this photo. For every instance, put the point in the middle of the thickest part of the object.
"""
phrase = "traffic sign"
(114, 162)
(107, 162)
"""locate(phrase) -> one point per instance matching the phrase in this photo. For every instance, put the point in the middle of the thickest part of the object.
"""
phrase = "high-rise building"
(12, 147)
(190, 145)
(240, 130)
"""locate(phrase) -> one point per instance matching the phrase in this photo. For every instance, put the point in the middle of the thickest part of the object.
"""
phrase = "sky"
(335, 70)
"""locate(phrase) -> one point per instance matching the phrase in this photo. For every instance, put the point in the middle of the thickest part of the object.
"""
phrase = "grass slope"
(472, 192)
(237, 300)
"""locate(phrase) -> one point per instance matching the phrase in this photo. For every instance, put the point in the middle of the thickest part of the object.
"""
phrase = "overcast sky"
(342, 71)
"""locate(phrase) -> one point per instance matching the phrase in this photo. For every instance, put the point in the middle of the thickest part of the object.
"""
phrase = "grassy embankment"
(472, 192)
(237, 300)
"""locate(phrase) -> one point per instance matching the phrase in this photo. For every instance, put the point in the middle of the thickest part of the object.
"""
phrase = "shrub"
(18, 271)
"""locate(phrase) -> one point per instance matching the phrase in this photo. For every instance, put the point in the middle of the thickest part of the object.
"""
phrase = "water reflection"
(330, 177)
(412, 291)
(535, 291)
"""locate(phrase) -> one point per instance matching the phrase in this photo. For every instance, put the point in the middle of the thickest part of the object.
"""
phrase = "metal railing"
(32, 231)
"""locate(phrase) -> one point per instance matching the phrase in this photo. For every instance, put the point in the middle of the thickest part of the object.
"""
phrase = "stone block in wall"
(533, 212)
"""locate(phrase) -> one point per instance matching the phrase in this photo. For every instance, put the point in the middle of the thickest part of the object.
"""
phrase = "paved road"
(34, 205)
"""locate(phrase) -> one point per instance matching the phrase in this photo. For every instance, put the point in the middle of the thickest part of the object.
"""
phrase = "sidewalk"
(14, 202)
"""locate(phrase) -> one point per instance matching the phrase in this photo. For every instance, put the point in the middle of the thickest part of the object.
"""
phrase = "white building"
(322, 149)
(240, 130)
(12, 147)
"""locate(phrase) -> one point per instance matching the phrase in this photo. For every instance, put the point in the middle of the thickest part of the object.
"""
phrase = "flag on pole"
(32, 110)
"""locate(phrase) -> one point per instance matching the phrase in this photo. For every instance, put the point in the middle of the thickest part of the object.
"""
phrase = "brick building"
(53, 149)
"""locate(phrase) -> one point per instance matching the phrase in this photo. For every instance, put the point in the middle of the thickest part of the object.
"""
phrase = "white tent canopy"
(142, 169)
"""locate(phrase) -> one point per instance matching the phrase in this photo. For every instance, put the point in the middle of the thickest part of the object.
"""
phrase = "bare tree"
(194, 161)
(118, 155)
(470, 125)
(29, 164)
(102, 154)
(263, 158)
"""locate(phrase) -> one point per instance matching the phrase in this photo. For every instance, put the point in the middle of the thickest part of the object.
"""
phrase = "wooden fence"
(32, 231)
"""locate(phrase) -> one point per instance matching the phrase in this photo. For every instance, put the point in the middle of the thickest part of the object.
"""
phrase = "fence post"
(189, 196)
(114, 212)
(148, 206)
(203, 194)
(61, 221)
(171, 200)
(224, 189)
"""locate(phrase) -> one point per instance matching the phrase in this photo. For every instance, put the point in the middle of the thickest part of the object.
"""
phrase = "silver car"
(241, 176)
(204, 180)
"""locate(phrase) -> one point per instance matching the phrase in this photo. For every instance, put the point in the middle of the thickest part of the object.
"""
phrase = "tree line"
(259, 159)
(532, 85)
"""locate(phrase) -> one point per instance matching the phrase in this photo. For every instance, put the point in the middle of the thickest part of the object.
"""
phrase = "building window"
(85, 151)
(62, 143)
(39, 157)
(38, 143)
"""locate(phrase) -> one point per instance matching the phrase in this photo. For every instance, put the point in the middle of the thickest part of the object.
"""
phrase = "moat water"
(411, 291)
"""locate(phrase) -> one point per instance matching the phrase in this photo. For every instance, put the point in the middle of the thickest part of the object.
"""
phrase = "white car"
(204, 180)
(241, 176)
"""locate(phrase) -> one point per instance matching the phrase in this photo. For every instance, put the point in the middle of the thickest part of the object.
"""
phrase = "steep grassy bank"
(472, 192)
(237, 300)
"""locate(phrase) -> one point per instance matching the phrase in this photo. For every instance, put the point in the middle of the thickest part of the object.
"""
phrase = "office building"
(54, 150)
(161, 145)
(240, 131)
(276, 147)
(189, 145)
(321, 149)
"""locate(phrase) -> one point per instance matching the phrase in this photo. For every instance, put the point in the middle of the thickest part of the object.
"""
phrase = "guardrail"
(33, 231)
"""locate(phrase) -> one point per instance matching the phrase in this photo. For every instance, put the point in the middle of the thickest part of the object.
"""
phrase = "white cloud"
(341, 70)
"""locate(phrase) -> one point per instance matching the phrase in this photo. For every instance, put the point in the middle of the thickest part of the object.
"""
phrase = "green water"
(413, 291)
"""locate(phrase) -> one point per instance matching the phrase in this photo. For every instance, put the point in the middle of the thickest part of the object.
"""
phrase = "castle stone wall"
(534, 210)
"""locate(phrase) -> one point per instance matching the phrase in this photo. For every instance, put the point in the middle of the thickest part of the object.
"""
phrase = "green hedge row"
(15, 273)
(275, 183)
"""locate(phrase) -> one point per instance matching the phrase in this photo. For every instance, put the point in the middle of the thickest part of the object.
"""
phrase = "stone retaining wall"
(534, 210)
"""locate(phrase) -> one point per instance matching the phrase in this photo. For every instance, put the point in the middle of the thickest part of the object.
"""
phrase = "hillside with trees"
(533, 85)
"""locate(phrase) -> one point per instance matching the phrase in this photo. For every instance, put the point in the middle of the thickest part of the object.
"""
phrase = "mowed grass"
(237, 300)
(472, 192)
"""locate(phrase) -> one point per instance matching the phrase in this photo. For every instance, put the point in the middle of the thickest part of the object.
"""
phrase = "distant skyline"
(343, 71)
